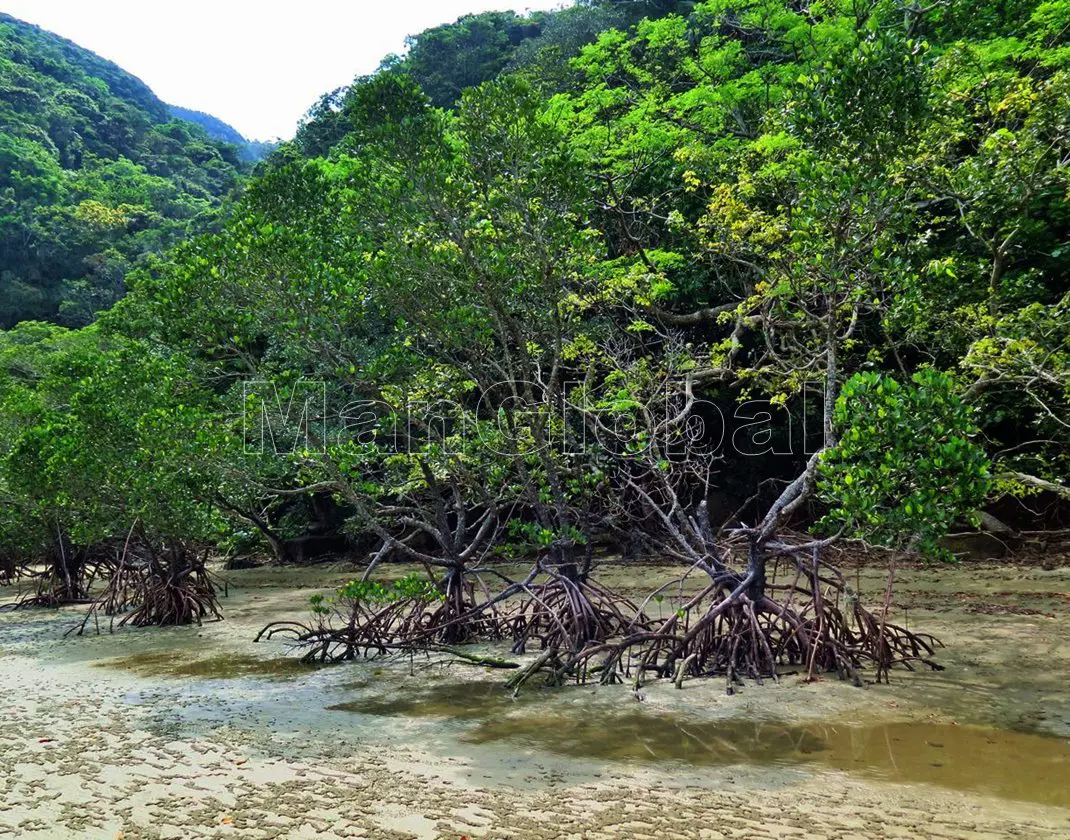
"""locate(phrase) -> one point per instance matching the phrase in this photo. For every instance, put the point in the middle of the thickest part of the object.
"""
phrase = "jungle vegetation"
(96, 177)
(720, 283)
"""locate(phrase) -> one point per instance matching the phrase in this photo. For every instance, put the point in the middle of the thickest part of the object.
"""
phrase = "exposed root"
(457, 620)
(738, 627)
(367, 631)
(68, 574)
(156, 587)
(819, 626)
(359, 627)
(570, 611)
(174, 587)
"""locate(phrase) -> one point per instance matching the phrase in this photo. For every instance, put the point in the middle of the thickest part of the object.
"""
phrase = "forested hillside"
(213, 126)
(721, 283)
(95, 176)
(250, 150)
(446, 60)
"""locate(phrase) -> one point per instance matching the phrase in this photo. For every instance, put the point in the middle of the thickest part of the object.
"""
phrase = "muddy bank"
(196, 732)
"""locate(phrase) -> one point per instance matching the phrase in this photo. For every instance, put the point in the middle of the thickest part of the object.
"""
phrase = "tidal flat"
(199, 732)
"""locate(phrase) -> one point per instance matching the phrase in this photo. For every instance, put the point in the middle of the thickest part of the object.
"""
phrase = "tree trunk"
(756, 570)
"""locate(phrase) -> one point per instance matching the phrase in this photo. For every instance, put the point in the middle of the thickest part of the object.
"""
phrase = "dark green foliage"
(95, 176)
(213, 126)
(544, 59)
(446, 60)
(906, 466)
(476, 48)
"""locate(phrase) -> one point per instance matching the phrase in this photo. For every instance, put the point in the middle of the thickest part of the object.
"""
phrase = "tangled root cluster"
(150, 585)
(65, 573)
(584, 630)
(568, 612)
(368, 619)
(728, 633)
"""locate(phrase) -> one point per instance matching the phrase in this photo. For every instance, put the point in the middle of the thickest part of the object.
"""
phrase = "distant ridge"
(250, 150)
(215, 127)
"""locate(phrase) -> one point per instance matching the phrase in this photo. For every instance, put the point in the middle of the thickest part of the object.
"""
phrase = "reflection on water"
(458, 700)
(173, 663)
(1014, 765)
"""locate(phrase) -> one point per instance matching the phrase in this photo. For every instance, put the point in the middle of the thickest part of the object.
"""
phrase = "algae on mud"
(218, 666)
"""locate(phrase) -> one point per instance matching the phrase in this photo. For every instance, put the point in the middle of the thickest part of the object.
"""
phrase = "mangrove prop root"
(568, 613)
(364, 632)
(584, 631)
(152, 586)
(68, 573)
(406, 625)
(356, 629)
(736, 637)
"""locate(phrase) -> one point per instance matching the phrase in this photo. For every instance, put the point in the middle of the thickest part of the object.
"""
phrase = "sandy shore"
(158, 748)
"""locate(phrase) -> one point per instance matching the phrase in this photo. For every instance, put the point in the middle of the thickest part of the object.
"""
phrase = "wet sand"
(198, 732)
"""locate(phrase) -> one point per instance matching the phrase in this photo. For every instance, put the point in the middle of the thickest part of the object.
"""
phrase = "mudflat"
(198, 732)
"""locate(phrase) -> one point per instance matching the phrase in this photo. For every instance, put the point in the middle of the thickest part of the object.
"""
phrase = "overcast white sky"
(257, 66)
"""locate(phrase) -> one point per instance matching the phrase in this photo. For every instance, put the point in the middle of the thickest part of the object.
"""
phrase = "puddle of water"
(219, 667)
(1013, 765)
(996, 762)
(474, 700)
